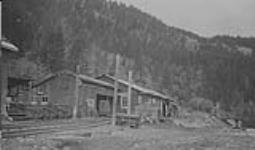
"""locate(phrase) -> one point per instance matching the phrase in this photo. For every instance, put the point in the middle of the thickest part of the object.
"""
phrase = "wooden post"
(161, 108)
(4, 87)
(129, 91)
(115, 98)
(217, 109)
(1, 69)
(166, 109)
(76, 92)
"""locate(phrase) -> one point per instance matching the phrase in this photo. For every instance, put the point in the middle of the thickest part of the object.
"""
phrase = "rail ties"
(28, 129)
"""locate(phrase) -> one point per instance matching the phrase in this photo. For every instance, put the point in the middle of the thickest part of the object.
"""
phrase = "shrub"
(201, 104)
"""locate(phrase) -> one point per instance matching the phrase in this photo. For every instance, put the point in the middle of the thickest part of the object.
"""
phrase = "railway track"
(27, 129)
(37, 123)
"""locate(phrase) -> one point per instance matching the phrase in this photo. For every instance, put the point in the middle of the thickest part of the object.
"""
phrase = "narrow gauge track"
(38, 123)
(28, 129)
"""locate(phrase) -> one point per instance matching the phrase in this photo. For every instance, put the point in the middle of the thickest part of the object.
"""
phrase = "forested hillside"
(59, 34)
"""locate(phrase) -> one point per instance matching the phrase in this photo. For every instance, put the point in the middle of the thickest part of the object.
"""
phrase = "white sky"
(204, 17)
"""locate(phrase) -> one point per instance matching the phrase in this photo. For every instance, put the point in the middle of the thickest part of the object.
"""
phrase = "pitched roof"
(138, 88)
(83, 78)
(91, 80)
(51, 76)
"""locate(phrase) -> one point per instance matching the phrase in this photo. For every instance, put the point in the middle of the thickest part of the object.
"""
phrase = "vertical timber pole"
(166, 109)
(1, 69)
(161, 109)
(0, 97)
(4, 87)
(115, 98)
(76, 92)
(129, 91)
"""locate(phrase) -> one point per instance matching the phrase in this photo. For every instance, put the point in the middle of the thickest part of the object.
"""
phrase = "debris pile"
(148, 113)
(196, 119)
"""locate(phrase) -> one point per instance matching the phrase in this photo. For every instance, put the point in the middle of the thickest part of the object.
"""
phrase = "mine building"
(7, 54)
(58, 89)
(17, 75)
(145, 102)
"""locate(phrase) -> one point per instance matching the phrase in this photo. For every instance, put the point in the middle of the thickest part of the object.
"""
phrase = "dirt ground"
(144, 138)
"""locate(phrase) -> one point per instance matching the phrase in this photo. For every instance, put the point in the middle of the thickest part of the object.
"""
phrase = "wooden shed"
(95, 96)
(145, 102)
(7, 53)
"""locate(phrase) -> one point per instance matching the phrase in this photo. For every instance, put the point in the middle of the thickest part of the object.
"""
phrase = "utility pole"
(76, 92)
(115, 98)
(1, 80)
(129, 91)
(161, 109)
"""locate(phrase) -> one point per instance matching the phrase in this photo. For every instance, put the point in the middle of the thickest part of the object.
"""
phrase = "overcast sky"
(204, 17)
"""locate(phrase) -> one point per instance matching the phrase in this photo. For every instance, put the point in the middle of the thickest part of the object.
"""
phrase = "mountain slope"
(62, 33)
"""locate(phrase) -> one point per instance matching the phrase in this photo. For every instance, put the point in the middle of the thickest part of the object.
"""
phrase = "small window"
(124, 102)
(45, 99)
(41, 90)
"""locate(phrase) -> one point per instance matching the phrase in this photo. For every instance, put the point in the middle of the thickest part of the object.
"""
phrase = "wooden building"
(95, 96)
(7, 54)
(145, 102)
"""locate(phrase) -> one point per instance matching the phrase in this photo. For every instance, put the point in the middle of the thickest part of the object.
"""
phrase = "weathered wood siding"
(88, 99)
(150, 106)
(124, 89)
(60, 90)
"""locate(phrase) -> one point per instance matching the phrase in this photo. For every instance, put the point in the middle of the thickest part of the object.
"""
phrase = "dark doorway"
(18, 89)
(104, 105)
(164, 111)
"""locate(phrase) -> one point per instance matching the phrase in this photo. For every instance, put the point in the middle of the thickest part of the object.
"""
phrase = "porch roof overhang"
(142, 90)
(91, 80)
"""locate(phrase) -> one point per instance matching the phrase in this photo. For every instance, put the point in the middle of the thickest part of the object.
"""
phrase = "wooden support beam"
(166, 109)
(115, 98)
(161, 108)
(129, 91)
(76, 92)
(1, 80)
(4, 87)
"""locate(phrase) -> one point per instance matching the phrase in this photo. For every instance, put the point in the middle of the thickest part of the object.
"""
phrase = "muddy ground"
(144, 138)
